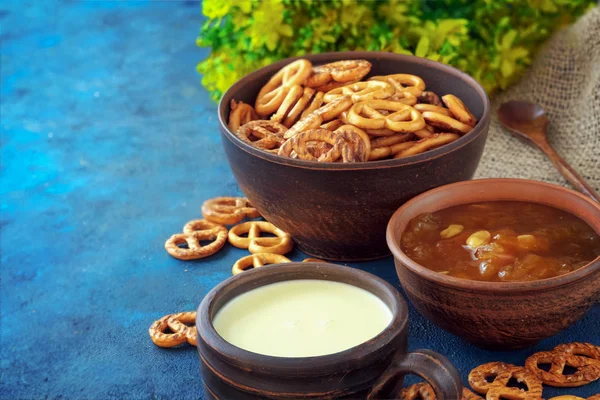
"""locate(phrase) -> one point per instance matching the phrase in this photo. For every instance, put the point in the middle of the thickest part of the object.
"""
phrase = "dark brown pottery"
(373, 370)
(502, 315)
(338, 211)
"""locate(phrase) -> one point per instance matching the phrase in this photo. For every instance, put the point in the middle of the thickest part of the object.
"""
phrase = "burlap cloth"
(565, 80)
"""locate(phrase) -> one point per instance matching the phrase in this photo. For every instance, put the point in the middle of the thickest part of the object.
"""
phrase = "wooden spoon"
(529, 121)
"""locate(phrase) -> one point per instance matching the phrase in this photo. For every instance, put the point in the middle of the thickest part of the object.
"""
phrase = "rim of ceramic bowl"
(393, 241)
(240, 356)
(480, 128)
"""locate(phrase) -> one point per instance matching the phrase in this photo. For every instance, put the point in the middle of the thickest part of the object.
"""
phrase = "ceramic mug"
(374, 369)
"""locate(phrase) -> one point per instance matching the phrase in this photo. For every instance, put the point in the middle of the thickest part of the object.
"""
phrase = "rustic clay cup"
(501, 315)
(373, 369)
(338, 211)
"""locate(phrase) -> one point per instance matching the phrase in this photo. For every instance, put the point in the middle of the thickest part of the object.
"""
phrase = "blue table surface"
(109, 145)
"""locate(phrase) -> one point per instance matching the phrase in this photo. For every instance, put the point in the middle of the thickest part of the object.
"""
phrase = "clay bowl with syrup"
(497, 315)
(373, 369)
(339, 211)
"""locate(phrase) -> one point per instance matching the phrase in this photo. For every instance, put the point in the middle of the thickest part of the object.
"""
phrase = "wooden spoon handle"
(567, 171)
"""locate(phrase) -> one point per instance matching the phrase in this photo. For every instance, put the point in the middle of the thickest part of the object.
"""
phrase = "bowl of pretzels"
(328, 146)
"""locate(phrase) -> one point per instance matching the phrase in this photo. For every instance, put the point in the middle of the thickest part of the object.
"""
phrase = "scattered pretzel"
(228, 210)
(587, 369)
(361, 91)
(478, 377)
(500, 374)
(418, 391)
(194, 232)
(579, 349)
(272, 95)
(403, 83)
(240, 114)
(186, 322)
(256, 261)
(468, 395)
(445, 123)
(255, 243)
(459, 110)
(570, 397)
(267, 135)
(160, 338)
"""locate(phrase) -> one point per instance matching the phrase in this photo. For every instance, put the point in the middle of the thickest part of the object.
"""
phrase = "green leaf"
(423, 47)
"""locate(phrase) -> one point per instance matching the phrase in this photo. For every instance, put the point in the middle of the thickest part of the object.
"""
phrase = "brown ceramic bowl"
(371, 370)
(339, 211)
(503, 315)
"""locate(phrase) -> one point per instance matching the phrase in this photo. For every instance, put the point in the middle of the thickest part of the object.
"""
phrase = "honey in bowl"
(302, 318)
(500, 241)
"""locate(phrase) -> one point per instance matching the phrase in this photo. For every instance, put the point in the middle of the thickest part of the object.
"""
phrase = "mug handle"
(433, 367)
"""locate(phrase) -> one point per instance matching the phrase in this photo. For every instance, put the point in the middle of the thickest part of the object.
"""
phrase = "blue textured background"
(109, 145)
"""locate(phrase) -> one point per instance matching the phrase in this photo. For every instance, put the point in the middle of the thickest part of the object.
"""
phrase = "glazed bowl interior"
(485, 190)
(439, 78)
(255, 278)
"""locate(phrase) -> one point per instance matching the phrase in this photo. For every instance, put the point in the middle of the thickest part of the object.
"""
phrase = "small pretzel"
(274, 92)
(240, 114)
(430, 107)
(478, 377)
(332, 125)
(255, 243)
(333, 85)
(570, 397)
(423, 145)
(418, 391)
(459, 110)
(262, 134)
(430, 98)
(228, 210)
(298, 108)
(339, 71)
(579, 349)
(194, 232)
(185, 321)
(445, 123)
(315, 103)
(160, 338)
(334, 108)
(380, 132)
(292, 97)
(359, 143)
(468, 395)
(367, 115)
(404, 97)
(311, 121)
(300, 141)
(257, 261)
(499, 389)
(386, 141)
(587, 369)
(361, 91)
(403, 83)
